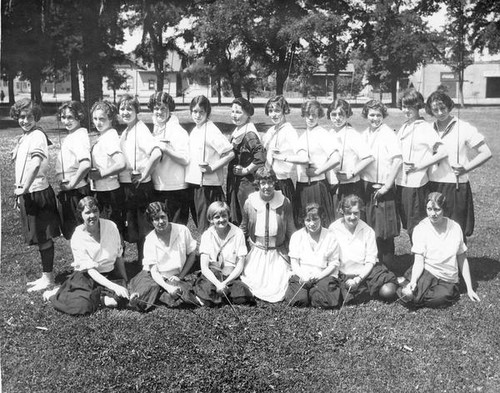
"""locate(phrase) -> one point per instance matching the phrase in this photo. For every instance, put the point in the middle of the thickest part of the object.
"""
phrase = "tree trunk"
(159, 53)
(75, 83)
(219, 90)
(92, 84)
(335, 86)
(236, 88)
(280, 79)
(92, 44)
(11, 89)
(36, 88)
(394, 92)
(160, 70)
(461, 88)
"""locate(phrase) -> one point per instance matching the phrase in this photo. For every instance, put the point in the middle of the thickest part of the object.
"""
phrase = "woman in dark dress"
(249, 156)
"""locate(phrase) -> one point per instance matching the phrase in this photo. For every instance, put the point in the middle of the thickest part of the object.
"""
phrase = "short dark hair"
(245, 105)
(264, 173)
(412, 98)
(25, 104)
(279, 102)
(437, 199)
(375, 105)
(107, 107)
(313, 208)
(312, 106)
(89, 202)
(439, 96)
(128, 99)
(203, 102)
(75, 107)
(339, 103)
(161, 98)
(350, 201)
(155, 208)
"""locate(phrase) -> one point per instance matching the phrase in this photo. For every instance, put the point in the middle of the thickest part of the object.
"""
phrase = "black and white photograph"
(249, 196)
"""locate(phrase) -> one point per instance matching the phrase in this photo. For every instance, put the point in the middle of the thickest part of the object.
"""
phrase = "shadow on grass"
(484, 268)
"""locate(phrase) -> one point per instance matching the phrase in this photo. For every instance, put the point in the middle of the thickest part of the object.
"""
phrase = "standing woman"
(280, 140)
(268, 225)
(35, 198)
(439, 249)
(450, 177)
(141, 153)
(421, 148)
(355, 154)
(209, 152)
(72, 166)
(315, 153)
(107, 161)
(249, 156)
(169, 174)
(378, 180)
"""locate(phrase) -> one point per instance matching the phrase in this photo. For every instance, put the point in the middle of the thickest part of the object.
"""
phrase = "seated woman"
(360, 271)
(222, 256)
(268, 225)
(100, 277)
(314, 253)
(169, 255)
(439, 251)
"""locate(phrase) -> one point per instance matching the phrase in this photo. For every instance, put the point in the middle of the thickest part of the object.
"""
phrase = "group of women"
(347, 192)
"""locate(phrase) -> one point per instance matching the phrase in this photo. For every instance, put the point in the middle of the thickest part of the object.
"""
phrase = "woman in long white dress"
(268, 225)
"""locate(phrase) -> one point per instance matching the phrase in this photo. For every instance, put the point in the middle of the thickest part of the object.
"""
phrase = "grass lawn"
(372, 347)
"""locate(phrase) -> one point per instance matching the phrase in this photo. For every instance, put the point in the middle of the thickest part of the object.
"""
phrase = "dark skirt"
(177, 203)
(370, 287)
(411, 206)
(146, 293)
(459, 204)
(111, 205)
(137, 200)
(238, 190)
(237, 293)
(346, 189)
(288, 189)
(39, 216)
(432, 292)
(68, 201)
(381, 214)
(80, 294)
(203, 197)
(316, 192)
(325, 293)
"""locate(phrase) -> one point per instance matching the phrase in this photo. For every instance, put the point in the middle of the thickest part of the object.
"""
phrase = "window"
(493, 87)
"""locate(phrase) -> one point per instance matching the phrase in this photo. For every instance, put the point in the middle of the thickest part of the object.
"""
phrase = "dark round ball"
(388, 291)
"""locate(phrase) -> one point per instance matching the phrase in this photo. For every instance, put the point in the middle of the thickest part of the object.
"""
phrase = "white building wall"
(428, 78)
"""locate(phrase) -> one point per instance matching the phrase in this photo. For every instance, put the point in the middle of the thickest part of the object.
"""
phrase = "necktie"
(266, 230)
